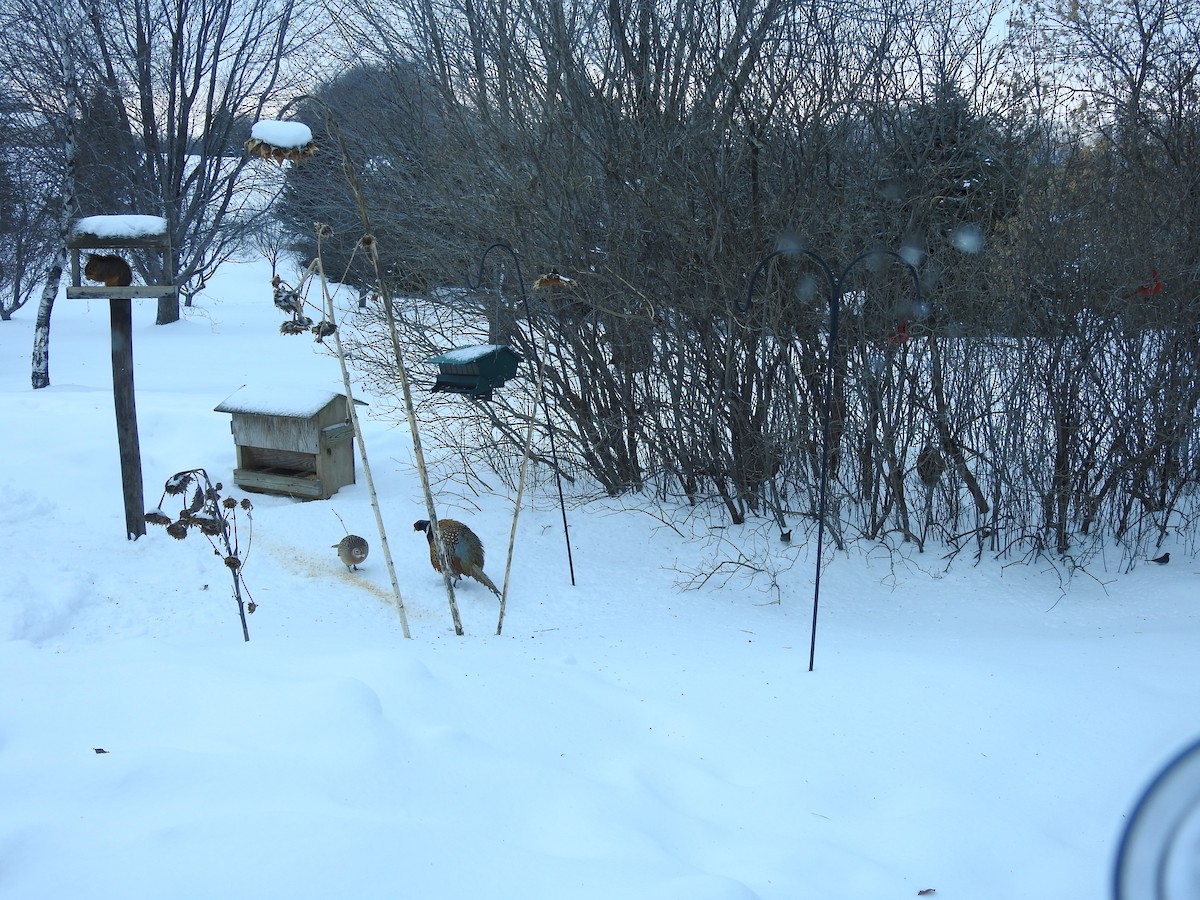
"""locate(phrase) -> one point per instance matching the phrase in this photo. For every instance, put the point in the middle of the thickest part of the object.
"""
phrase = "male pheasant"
(462, 546)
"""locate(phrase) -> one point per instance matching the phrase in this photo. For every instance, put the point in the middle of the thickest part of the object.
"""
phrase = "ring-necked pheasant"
(462, 546)
(352, 550)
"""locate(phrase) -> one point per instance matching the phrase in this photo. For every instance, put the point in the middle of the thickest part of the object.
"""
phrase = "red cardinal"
(1153, 289)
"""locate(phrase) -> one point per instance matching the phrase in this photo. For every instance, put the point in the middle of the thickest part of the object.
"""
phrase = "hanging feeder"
(475, 371)
(279, 141)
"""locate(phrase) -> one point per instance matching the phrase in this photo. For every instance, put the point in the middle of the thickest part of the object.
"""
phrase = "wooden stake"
(121, 319)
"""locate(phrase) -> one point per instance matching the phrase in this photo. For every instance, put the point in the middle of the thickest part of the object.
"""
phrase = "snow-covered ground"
(979, 731)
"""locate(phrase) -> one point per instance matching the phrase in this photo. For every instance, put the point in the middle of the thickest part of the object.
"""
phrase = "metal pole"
(835, 302)
(536, 364)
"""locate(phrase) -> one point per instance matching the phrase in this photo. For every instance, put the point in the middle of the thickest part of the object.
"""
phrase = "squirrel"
(111, 270)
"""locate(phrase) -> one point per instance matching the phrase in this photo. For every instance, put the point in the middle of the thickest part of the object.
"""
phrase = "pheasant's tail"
(478, 575)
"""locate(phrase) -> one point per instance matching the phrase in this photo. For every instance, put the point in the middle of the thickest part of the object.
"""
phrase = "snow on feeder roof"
(462, 356)
(286, 402)
(275, 140)
(475, 370)
(127, 227)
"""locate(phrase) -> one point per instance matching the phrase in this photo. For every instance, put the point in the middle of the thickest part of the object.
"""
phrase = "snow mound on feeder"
(289, 402)
(285, 135)
(126, 226)
(464, 356)
(278, 141)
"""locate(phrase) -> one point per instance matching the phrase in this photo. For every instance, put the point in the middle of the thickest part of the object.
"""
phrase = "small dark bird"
(462, 546)
(786, 536)
(1162, 560)
(352, 550)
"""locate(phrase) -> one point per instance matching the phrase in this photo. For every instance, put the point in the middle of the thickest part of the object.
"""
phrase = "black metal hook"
(500, 245)
(835, 281)
(835, 298)
(535, 366)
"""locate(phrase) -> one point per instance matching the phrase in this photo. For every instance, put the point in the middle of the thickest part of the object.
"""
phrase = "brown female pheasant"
(462, 546)
(352, 550)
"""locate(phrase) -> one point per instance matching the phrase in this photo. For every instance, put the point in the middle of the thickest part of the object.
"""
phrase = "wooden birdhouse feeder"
(122, 233)
(475, 371)
(289, 442)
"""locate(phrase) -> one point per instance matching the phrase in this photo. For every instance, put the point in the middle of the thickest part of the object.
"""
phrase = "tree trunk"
(41, 329)
(168, 309)
(941, 422)
(41, 334)
(168, 304)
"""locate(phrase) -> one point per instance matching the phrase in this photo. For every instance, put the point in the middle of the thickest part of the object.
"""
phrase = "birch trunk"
(40, 376)
(41, 329)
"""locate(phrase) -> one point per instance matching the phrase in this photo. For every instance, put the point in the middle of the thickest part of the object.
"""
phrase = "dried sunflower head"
(178, 483)
(233, 562)
(177, 530)
(157, 517)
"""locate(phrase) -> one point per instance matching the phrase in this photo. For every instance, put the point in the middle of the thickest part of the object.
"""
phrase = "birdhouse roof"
(287, 402)
(461, 356)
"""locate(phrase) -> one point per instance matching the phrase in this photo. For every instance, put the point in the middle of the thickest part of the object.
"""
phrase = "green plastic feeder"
(475, 371)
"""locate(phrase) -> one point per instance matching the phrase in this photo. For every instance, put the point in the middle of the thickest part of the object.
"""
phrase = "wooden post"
(121, 321)
(124, 233)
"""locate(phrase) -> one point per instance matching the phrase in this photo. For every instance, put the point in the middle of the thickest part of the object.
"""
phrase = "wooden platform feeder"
(289, 442)
(123, 233)
(119, 233)
(475, 371)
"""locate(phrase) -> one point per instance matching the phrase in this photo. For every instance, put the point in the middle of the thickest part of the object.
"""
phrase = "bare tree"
(40, 375)
(183, 79)
(29, 160)
(167, 89)
(1036, 396)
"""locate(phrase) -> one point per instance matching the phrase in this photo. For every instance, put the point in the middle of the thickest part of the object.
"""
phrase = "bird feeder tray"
(119, 233)
(475, 371)
(291, 442)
